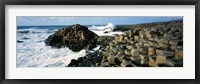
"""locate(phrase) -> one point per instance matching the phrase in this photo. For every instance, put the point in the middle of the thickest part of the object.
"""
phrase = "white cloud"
(60, 18)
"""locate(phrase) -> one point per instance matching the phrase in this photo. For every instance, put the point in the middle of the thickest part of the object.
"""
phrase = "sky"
(87, 20)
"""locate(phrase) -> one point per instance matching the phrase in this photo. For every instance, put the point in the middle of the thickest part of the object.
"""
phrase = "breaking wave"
(32, 51)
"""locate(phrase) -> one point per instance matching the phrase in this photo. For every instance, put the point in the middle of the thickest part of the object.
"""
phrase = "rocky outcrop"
(92, 59)
(76, 37)
(151, 47)
(18, 41)
(104, 40)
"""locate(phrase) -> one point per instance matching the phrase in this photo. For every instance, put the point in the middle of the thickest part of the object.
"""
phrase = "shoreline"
(146, 48)
(110, 55)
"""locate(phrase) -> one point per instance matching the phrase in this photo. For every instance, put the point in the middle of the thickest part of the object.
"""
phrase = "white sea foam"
(32, 52)
(107, 28)
(100, 30)
(102, 33)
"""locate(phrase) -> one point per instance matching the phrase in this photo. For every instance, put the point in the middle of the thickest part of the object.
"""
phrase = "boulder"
(161, 59)
(136, 38)
(111, 44)
(151, 51)
(168, 36)
(74, 63)
(170, 63)
(106, 54)
(113, 49)
(135, 52)
(136, 61)
(141, 44)
(129, 47)
(105, 32)
(177, 62)
(105, 40)
(163, 45)
(164, 40)
(159, 51)
(125, 38)
(173, 47)
(126, 62)
(144, 60)
(157, 38)
(127, 52)
(25, 38)
(136, 31)
(111, 59)
(174, 42)
(119, 38)
(122, 46)
(152, 61)
(151, 39)
(130, 42)
(124, 41)
(153, 43)
(76, 37)
(130, 34)
(149, 34)
(179, 53)
(117, 61)
(105, 64)
(18, 41)
(146, 44)
(143, 50)
(142, 34)
(170, 54)
(166, 29)
(107, 48)
(120, 52)
(120, 57)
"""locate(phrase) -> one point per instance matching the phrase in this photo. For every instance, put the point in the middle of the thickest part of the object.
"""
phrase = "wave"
(108, 27)
(105, 30)
(32, 51)
(31, 30)
(44, 56)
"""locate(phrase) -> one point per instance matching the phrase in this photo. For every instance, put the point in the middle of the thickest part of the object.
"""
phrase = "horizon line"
(102, 24)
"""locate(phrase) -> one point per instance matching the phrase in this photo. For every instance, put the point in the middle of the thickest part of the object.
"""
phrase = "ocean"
(32, 51)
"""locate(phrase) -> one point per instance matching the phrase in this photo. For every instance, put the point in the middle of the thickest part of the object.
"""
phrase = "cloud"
(45, 18)
(60, 18)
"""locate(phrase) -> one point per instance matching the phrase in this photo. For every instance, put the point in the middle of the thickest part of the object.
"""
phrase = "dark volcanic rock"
(105, 32)
(76, 37)
(18, 41)
(25, 38)
(145, 45)
(104, 40)
(90, 60)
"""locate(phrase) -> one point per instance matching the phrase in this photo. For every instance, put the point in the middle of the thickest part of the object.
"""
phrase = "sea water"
(32, 51)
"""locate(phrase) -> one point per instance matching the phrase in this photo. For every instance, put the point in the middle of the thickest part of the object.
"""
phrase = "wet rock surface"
(76, 37)
(92, 59)
(149, 46)
(160, 46)
(18, 41)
